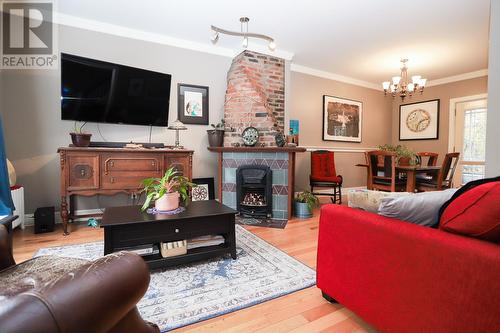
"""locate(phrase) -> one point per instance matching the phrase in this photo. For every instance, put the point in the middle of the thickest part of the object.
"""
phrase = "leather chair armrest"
(95, 298)
(6, 258)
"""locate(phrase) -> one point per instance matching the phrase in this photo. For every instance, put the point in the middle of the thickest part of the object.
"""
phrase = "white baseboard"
(29, 219)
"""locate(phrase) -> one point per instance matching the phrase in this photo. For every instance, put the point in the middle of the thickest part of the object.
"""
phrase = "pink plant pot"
(168, 201)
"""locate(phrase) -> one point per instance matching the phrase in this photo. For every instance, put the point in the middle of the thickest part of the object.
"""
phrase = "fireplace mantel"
(280, 159)
(258, 149)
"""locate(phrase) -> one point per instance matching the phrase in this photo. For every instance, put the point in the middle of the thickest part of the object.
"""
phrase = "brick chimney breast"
(255, 96)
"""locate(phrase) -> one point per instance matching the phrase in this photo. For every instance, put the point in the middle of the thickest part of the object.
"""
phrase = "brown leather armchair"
(52, 294)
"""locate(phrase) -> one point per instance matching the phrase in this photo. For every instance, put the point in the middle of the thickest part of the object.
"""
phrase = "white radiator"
(18, 198)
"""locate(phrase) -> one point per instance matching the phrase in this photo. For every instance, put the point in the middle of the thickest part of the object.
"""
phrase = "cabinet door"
(181, 162)
(83, 172)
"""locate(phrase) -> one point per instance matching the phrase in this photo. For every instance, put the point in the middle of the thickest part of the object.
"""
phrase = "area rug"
(258, 222)
(191, 293)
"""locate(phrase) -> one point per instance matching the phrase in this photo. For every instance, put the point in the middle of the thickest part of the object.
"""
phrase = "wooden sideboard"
(108, 171)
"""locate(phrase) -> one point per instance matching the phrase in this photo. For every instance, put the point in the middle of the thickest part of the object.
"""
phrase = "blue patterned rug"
(191, 293)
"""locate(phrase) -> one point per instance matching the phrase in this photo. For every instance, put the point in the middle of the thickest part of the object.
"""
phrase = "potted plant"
(404, 154)
(79, 138)
(304, 204)
(216, 134)
(167, 190)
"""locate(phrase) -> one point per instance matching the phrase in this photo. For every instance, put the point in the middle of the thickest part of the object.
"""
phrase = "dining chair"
(384, 177)
(324, 175)
(431, 158)
(443, 179)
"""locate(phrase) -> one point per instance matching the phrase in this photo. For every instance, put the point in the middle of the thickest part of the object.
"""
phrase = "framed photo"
(342, 119)
(192, 104)
(204, 190)
(419, 121)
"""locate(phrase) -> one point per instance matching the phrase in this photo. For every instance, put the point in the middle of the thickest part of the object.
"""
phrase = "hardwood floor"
(302, 311)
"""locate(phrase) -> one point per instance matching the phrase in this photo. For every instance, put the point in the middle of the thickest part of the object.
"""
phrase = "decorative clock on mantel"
(250, 136)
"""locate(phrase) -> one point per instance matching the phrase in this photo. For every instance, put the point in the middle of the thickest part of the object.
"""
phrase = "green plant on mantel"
(307, 197)
(220, 126)
(171, 182)
(401, 152)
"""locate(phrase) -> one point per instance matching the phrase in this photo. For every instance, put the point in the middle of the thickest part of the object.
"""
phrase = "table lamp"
(177, 126)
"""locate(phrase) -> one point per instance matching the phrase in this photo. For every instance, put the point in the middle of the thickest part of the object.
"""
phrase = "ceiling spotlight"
(214, 38)
(243, 33)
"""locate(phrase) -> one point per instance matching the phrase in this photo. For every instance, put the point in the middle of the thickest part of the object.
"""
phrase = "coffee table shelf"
(127, 226)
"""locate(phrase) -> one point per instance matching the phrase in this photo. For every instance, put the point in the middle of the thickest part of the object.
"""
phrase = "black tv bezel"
(106, 64)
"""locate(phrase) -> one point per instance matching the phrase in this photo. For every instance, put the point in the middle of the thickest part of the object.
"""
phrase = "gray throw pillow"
(421, 208)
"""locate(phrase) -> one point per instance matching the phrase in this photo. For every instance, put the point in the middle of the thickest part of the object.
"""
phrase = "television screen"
(102, 92)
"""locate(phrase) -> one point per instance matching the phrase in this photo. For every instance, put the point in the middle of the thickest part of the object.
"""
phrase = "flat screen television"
(103, 92)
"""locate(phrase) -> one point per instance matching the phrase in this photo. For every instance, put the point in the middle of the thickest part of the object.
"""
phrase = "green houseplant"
(78, 137)
(404, 154)
(166, 191)
(216, 134)
(304, 203)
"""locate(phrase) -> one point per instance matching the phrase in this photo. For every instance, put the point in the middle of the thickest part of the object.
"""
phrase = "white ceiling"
(361, 39)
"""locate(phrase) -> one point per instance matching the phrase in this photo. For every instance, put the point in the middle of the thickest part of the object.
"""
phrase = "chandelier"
(401, 86)
(243, 33)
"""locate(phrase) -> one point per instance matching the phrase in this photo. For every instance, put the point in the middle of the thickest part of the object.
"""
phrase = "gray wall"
(31, 111)
(492, 133)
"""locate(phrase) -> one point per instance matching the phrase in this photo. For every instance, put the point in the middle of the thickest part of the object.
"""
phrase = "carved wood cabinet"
(92, 171)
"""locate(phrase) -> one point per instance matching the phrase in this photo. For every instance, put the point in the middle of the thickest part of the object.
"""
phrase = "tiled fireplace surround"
(277, 161)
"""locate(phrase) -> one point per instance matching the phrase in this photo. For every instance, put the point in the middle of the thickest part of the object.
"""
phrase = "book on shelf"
(143, 250)
(202, 241)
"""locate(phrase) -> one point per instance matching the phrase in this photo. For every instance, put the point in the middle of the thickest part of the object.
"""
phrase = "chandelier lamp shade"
(402, 86)
(243, 33)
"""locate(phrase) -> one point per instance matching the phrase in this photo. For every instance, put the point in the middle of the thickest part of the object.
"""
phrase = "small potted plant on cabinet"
(216, 134)
(166, 191)
(304, 204)
(78, 137)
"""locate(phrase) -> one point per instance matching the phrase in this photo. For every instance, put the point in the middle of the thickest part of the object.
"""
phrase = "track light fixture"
(243, 33)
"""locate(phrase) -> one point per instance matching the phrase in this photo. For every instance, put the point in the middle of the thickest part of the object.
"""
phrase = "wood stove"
(254, 195)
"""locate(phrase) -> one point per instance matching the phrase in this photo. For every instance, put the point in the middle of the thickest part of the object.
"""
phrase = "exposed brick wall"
(255, 96)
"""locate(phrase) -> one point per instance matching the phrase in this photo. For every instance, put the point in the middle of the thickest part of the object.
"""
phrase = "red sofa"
(402, 277)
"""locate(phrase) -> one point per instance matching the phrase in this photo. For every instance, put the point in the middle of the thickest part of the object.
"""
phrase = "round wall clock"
(418, 120)
(250, 136)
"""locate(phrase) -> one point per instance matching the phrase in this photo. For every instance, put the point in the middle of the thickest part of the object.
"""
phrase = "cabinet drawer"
(83, 172)
(180, 163)
(126, 180)
(135, 163)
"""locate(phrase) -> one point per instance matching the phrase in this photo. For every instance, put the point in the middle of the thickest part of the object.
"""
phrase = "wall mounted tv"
(102, 92)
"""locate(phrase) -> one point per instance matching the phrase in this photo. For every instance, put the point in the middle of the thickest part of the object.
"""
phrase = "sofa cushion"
(475, 211)
(421, 208)
(369, 200)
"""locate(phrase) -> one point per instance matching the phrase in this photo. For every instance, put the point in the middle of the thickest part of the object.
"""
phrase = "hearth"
(254, 191)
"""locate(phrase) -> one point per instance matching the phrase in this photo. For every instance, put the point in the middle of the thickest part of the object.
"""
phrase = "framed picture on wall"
(192, 104)
(204, 190)
(342, 119)
(419, 121)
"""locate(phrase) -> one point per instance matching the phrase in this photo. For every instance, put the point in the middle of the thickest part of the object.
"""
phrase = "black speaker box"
(44, 219)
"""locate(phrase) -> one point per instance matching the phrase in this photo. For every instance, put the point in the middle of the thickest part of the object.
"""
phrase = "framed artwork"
(192, 104)
(342, 119)
(419, 121)
(204, 190)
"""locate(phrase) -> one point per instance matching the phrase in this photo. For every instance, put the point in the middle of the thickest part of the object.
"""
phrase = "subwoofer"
(44, 219)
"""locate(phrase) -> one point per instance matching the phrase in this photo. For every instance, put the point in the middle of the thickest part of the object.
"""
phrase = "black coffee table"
(126, 227)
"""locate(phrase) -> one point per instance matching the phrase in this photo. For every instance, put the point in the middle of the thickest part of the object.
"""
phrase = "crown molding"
(459, 77)
(121, 31)
(332, 76)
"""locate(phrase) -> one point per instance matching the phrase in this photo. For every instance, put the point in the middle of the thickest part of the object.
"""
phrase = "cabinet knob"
(82, 172)
(176, 231)
(112, 180)
(153, 163)
(111, 164)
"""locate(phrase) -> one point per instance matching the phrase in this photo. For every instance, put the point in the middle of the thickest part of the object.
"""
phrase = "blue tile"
(280, 177)
(279, 215)
(282, 156)
(229, 175)
(229, 199)
(270, 156)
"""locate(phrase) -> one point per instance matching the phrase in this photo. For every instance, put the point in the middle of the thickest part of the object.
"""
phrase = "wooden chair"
(384, 177)
(432, 158)
(324, 175)
(442, 179)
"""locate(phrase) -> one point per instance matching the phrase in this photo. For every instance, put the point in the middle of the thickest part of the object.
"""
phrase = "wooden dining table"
(411, 172)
